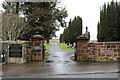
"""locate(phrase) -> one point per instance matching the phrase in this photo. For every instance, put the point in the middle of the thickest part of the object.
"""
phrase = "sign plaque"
(36, 47)
(15, 50)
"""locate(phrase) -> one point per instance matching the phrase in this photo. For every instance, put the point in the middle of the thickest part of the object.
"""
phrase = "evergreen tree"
(108, 27)
(61, 38)
(73, 30)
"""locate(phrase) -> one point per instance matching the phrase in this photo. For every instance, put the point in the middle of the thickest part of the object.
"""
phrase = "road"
(61, 66)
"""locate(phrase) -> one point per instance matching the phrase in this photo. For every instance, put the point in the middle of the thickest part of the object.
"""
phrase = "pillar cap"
(82, 38)
(37, 37)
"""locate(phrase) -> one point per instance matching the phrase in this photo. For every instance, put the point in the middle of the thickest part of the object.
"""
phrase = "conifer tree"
(73, 30)
(108, 27)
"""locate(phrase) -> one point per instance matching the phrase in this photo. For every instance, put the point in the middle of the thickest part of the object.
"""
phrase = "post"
(81, 48)
(37, 48)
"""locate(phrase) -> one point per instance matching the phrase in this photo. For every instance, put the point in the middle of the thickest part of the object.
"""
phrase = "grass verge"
(47, 46)
(64, 47)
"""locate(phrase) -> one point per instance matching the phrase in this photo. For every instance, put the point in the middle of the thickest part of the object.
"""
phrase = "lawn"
(64, 47)
(47, 46)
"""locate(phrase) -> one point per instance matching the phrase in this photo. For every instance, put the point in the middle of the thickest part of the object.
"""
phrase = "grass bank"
(64, 47)
(47, 46)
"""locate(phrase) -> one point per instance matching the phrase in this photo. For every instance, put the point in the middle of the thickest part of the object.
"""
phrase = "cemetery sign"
(15, 50)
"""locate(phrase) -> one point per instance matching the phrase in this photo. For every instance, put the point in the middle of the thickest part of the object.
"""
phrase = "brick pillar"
(37, 48)
(81, 48)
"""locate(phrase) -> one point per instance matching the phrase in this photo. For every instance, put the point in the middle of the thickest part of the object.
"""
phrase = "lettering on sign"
(15, 50)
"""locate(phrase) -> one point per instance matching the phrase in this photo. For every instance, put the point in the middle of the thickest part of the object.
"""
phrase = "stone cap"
(39, 37)
(82, 38)
(13, 42)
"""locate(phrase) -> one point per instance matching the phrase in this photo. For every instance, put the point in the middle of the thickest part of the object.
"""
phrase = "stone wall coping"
(14, 42)
(103, 43)
(82, 38)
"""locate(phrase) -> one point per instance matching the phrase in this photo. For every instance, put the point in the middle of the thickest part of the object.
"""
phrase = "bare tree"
(13, 26)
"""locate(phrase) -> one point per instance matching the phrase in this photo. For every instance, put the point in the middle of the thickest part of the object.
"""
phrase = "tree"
(12, 25)
(61, 38)
(43, 18)
(73, 30)
(108, 27)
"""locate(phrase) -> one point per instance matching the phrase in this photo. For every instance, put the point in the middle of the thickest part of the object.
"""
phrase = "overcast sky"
(88, 10)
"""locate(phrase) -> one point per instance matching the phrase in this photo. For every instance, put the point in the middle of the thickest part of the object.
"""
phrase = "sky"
(1, 5)
(88, 10)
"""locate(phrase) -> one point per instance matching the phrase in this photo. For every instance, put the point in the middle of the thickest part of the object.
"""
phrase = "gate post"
(37, 48)
(81, 48)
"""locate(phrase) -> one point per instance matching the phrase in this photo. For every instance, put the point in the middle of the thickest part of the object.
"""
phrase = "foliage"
(47, 46)
(109, 25)
(73, 30)
(46, 54)
(43, 18)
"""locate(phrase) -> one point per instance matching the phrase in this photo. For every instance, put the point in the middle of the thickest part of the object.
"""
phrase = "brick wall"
(98, 51)
(28, 53)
